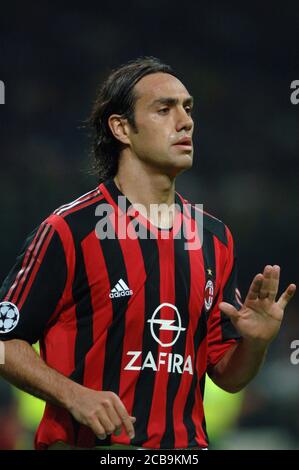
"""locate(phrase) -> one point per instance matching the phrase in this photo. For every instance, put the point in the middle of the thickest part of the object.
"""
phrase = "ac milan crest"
(209, 294)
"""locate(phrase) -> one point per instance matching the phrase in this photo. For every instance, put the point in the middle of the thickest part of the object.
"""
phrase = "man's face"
(163, 120)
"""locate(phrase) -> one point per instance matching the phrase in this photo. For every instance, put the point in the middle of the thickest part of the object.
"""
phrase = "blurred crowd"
(238, 64)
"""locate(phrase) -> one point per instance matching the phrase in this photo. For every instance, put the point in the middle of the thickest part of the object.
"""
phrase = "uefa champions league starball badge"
(9, 317)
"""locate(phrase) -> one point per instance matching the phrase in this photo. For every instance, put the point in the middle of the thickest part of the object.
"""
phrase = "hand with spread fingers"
(261, 315)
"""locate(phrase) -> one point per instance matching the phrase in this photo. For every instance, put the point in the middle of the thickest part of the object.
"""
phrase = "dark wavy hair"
(116, 96)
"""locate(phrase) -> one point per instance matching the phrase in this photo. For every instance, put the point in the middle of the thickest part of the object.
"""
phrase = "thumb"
(229, 310)
(286, 296)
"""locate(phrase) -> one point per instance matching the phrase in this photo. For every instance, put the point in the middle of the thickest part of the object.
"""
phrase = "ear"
(119, 127)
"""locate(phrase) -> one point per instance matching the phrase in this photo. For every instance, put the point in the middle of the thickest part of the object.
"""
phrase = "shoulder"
(76, 218)
(79, 204)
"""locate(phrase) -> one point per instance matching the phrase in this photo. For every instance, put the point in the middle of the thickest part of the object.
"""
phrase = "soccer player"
(132, 306)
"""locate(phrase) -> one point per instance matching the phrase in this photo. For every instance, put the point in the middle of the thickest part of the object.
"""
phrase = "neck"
(144, 186)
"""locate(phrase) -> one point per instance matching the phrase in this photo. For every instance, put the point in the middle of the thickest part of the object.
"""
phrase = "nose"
(184, 121)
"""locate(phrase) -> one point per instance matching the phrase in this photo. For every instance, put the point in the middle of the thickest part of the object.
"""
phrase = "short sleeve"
(221, 332)
(32, 291)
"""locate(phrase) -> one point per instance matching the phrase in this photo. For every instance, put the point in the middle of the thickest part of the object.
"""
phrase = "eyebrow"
(172, 101)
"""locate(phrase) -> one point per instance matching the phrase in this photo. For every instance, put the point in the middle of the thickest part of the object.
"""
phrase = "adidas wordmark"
(120, 290)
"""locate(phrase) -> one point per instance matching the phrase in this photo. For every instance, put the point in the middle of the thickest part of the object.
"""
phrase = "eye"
(188, 110)
(163, 110)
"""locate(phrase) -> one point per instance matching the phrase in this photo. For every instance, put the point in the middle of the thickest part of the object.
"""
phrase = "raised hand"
(261, 315)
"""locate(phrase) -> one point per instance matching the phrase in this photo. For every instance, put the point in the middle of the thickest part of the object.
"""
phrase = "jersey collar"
(124, 207)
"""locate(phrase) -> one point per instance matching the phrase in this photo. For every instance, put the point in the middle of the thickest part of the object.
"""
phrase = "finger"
(286, 296)
(254, 288)
(266, 283)
(125, 418)
(128, 425)
(113, 416)
(118, 430)
(273, 287)
(229, 310)
(104, 419)
(98, 429)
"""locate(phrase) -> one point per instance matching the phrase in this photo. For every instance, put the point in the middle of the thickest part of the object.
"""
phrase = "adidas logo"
(120, 290)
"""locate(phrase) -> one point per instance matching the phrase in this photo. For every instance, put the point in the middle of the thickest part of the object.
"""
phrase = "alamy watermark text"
(2, 92)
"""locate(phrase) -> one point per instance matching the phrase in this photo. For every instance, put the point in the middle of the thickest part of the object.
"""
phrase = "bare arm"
(102, 411)
(238, 366)
(258, 322)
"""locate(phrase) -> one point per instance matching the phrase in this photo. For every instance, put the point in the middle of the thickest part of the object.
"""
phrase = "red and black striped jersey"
(134, 311)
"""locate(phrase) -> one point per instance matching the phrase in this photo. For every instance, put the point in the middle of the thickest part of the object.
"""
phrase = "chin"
(184, 164)
(184, 161)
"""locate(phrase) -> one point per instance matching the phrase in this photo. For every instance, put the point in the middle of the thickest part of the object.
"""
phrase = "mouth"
(184, 143)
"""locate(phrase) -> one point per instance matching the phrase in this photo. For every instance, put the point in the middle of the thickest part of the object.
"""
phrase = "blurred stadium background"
(238, 63)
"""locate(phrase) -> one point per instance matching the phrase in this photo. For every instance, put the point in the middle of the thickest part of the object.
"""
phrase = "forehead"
(159, 85)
